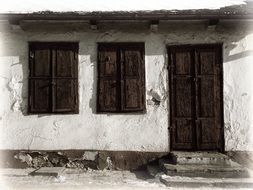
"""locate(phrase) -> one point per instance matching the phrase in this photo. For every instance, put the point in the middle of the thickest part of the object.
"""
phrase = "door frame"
(170, 87)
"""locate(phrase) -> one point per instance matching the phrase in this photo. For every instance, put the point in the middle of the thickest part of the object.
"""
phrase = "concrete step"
(213, 158)
(196, 170)
(198, 182)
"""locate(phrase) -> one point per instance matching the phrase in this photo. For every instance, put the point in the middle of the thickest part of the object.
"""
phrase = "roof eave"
(138, 15)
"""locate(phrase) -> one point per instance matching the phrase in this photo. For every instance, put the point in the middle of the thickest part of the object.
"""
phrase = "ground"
(74, 178)
(80, 179)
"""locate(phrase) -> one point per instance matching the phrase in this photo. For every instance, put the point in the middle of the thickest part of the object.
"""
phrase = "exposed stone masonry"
(80, 159)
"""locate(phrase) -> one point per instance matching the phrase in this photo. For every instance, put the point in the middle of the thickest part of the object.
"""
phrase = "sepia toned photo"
(130, 94)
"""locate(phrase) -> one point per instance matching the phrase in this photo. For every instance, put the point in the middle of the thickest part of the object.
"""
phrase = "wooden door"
(196, 97)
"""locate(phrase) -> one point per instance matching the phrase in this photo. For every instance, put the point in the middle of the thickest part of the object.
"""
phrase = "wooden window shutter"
(53, 78)
(121, 76)
(65, 60)
(132, 78)
(40, 82)
(108, 100)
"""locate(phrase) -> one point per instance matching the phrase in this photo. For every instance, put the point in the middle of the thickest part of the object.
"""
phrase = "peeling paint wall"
(132, 132)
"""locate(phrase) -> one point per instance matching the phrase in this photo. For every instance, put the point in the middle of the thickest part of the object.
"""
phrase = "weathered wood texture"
(53, 77)
(196, 97)
(121, 77)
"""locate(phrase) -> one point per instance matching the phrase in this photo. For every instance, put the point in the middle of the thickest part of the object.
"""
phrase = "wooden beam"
(154, 25)
(212, 24)
(15, 24)
(93, 25)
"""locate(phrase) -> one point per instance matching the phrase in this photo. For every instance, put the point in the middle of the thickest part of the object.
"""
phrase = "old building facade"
(155, 84)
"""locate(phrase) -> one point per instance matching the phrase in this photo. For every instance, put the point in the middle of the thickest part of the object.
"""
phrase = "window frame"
(120, 46)
(53, 46)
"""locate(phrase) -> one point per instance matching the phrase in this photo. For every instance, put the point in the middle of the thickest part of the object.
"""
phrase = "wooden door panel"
(206, 96)
(183, 92)
(182, 105)
(208, 102)
(206, 62)
(183, 63)
(183, 131)
(182, 134)
(207, 135)
(182, 110)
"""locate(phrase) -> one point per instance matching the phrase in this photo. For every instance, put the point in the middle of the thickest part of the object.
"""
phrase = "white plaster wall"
(137, 132)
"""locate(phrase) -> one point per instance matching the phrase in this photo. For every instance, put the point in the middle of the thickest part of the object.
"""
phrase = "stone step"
(47, 171)
(213, 158)
(198, 182)
(196, 170)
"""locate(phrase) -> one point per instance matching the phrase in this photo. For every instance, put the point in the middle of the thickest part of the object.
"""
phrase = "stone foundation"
(87, 159)
(113, 160)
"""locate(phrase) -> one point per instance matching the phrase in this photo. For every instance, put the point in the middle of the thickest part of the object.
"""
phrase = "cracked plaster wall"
(137, 132)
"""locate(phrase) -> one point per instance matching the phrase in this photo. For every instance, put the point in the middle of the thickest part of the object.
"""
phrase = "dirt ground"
(79, 179)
